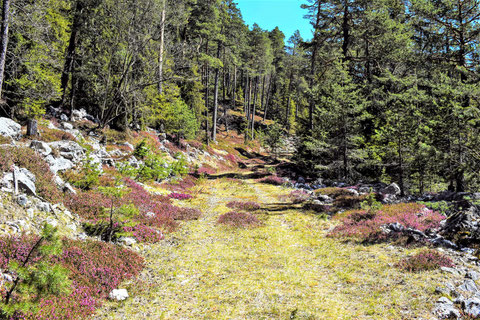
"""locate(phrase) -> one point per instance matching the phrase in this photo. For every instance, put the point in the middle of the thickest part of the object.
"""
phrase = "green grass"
(286, 269)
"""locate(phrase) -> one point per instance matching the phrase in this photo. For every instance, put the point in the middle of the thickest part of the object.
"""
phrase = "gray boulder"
(445, 309)
(41, 147)
(469, 286)
(9, 128)
(392, 189)
(59, 164)
(69, 150)
(67, 126)
(472, 307)
(472, 275)
(25, 179)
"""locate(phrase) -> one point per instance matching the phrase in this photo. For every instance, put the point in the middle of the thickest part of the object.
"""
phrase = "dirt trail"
(286, 269)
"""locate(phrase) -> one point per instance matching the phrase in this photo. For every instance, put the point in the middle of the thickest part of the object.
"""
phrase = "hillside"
(163, 159)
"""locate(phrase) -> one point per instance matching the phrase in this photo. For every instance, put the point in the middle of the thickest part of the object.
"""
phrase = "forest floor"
(286, 269)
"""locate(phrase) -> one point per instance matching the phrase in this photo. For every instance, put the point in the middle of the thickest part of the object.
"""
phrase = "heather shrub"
(5, 140)
(143, 233)
(180, 185)
(87, 177)
(425, 260)
(246, 206)
(351, 202)
(238, 219)
(298, 196)
(274, 180)
(205, 171)
(179, 196)
(29, 159)
(50, 135)
(88, 205)
(333, 192)
(114, 136)
(366, 225)
(186, 214)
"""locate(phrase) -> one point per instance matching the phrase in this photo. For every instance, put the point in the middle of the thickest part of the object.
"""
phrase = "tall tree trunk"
(224, 77)
(4, 41)
(254, 106)
(71, 49)
(311, 108)
(267, 101)
(345, 32)
(161, 51)
(215, 98)
(234, 92)
(263, 93)
(207, 94)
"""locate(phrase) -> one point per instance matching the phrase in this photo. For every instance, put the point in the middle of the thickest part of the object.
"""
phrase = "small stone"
(30, 213)
(472, 307)
(150, 214)
(128, 241)
(118, 294)
(469, 286)
(445, 309)
(472, 275)
(63, 117)
(449, 270)
(22, 200)
(69, 189)
(41, 147)
(67, 126)
(44, 207)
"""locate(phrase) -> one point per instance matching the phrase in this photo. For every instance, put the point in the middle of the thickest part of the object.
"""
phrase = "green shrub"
(141, 150)
(35, 274)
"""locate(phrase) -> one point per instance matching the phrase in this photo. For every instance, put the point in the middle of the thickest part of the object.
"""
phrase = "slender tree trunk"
(234, 92)
(224, 77)
(71, 49)
(215, 98)
(311, 108)
(263, 93)
(267, 101)
(254, 106)
(207, 94)
(4, 41)
(400, 169)
(161, 51)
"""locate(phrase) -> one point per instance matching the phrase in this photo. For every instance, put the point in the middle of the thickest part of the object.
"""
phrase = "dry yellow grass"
(286, 269)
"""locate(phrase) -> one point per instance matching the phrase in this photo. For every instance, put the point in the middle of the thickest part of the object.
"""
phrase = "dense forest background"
(384, 90)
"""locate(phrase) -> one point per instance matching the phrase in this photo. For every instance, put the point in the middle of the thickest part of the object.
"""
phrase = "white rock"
(41, 147)
(118, 294)
(69, 150)
(472, 307)
(59, 164)
(128, 241)
(9, 128)
(30, 213)
(445, 309)
(26, 180)
(67, 126)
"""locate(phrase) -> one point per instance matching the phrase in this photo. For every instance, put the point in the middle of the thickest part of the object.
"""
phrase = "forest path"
(285, 269)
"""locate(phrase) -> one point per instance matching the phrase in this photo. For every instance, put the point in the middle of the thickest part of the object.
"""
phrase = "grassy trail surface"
(285, 269)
